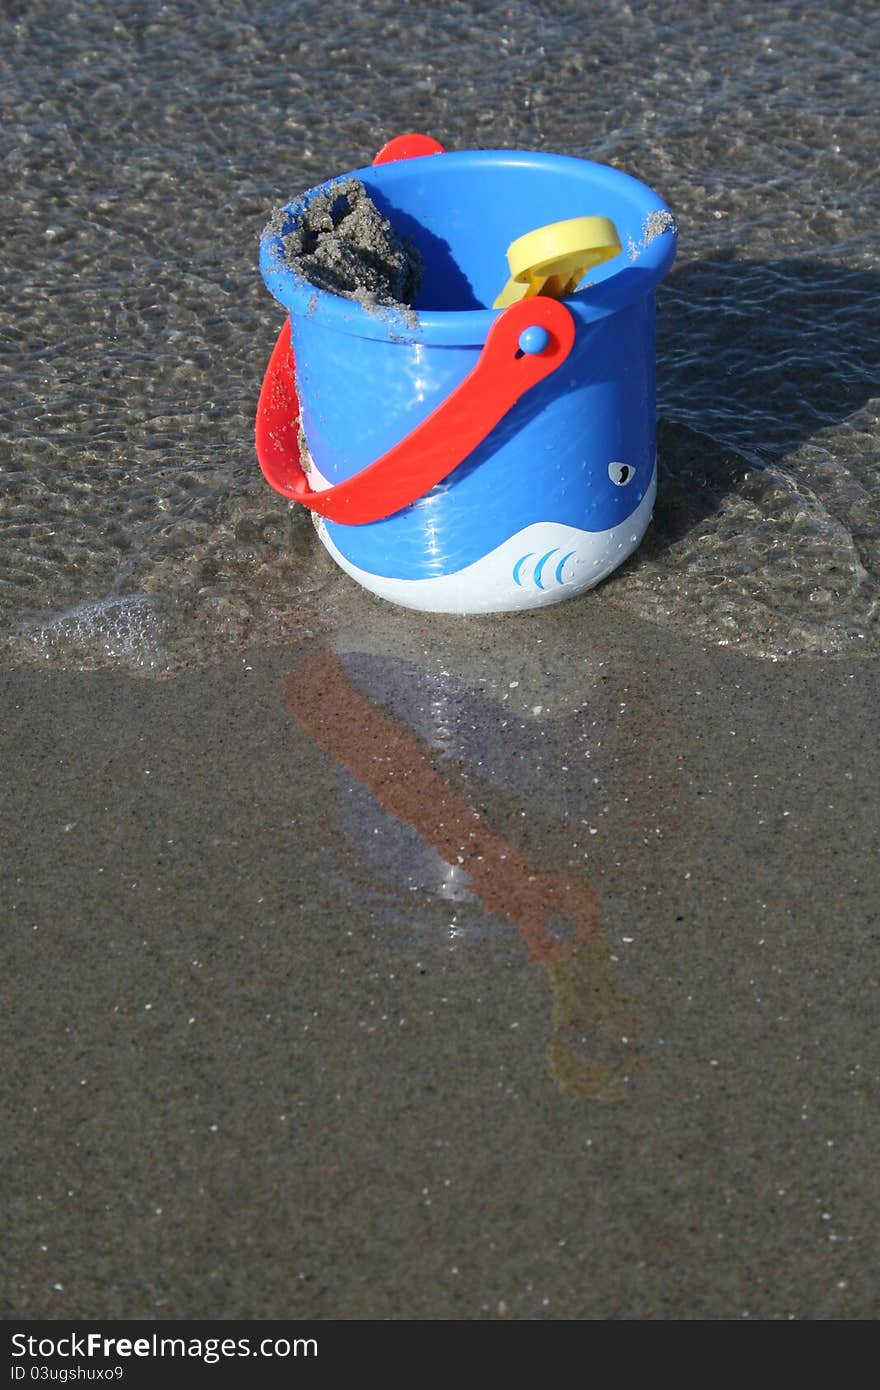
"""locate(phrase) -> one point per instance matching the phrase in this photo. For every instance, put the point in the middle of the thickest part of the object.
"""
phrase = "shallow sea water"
(143, 149)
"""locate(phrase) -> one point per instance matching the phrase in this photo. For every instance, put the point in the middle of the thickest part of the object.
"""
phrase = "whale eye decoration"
(621, 473)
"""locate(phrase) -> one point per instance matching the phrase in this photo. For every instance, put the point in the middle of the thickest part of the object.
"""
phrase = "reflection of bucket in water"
(593, 1045)
(534, 476)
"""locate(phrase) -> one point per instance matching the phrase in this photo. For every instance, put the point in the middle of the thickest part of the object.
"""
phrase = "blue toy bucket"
(558, 488)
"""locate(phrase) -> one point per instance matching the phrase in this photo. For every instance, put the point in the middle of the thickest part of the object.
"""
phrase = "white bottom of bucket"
(542, 564)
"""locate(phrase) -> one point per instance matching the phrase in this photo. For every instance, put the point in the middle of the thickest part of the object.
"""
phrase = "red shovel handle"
(504, 371)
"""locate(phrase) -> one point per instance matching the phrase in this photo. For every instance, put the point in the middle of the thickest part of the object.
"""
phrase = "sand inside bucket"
(344, 245)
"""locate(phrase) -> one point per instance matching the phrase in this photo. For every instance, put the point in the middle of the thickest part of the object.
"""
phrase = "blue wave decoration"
(539, 567)
(538, 572)
(518, 567)
(561, 566)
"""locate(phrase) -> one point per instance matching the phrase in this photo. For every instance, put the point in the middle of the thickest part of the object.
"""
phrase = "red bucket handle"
(412, 145)
(527, 342)
(504, 371)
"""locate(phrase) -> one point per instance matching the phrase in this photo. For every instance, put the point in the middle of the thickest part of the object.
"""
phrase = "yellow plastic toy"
(553, 260)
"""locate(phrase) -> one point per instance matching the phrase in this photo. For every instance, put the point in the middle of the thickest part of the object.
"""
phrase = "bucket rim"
(647, 262)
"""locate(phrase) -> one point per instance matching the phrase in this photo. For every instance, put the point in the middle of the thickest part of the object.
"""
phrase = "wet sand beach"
(270, 1059)
(364, 964)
